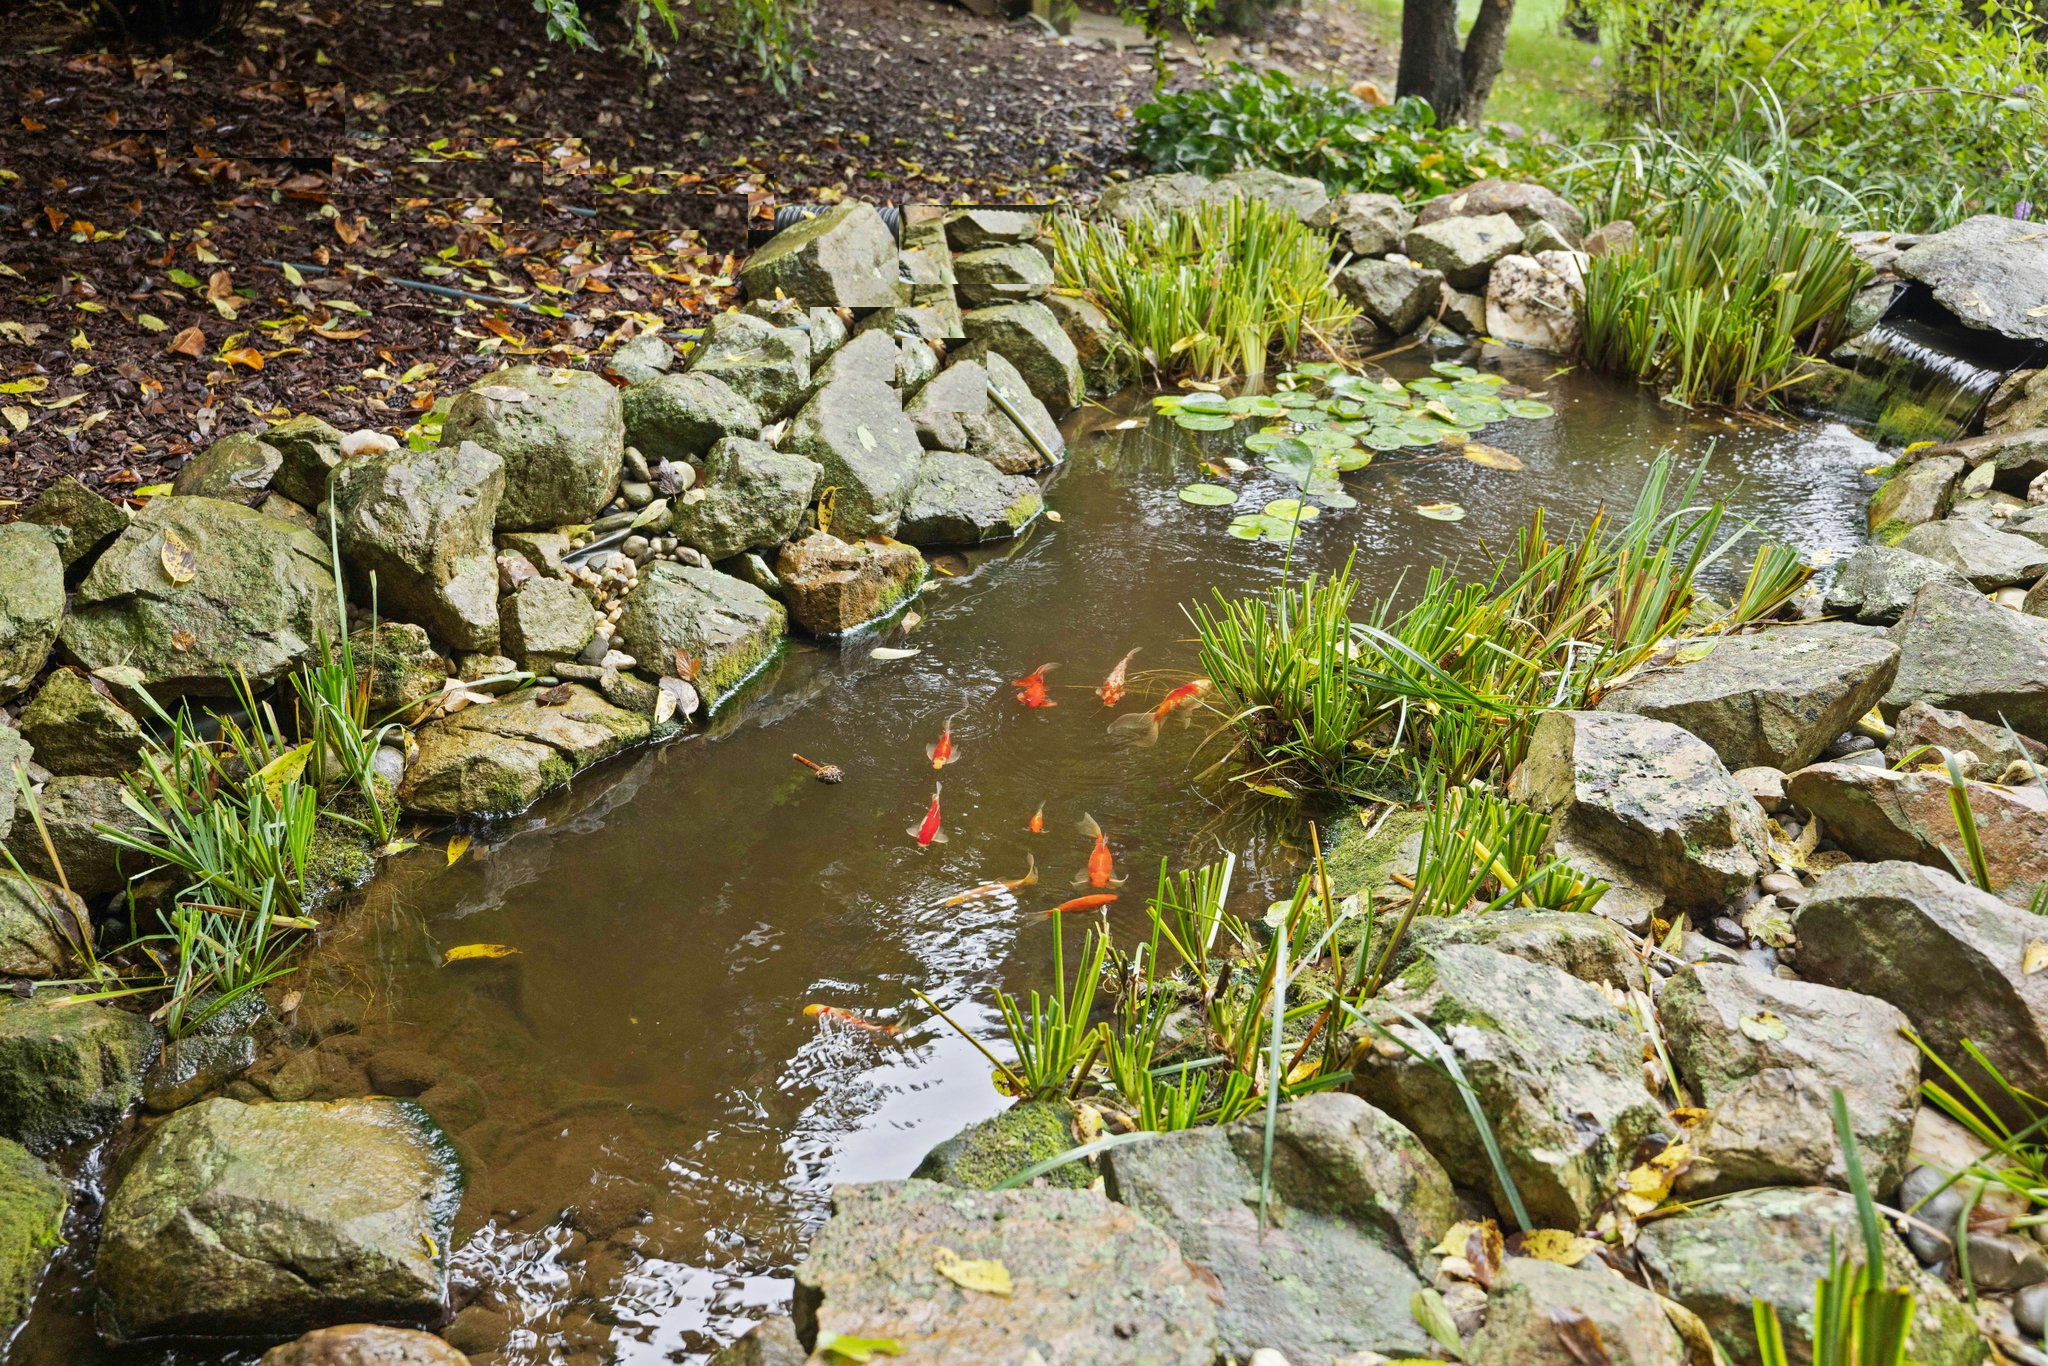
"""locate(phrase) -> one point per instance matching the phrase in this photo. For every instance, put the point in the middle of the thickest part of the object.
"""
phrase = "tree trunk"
(1485, 46)
(1431, 67)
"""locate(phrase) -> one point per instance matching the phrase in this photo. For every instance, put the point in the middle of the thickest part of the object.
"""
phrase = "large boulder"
(1877, 584)
(31, 602)
(308, 451)
(238, 467)
(74, 807)
(87, 522)
(39, 921)
(1523, 203)
(199, 593)
(1150, 196)
(1645, 805)
(1001, 275)
(68, 1072)
(419, 524)
(1988, 559)
(769, 366)
(364, 1344)
(497, 757)
(561, 434)
(752, 497)
(959, 500)
(1554, 1064)
(33, 1200)
(1724, 1024)
(545, 622)
(725, 628)
(1591, 948)
(834, 586)
(1772, 1245)
(1107, 361)
(956, 392)
(855, 430)
(1463, 248)
(1960, 651)
(1990, 271)
(1953, 958)
(1535, 300)
(1538, 1311)
(1031, 338)
(76, 726)
(681, 417)
(1394, 294)
(993, 436)
(1300, 197)
(1366, 224)
(1881, 813)
(879, 355)
(1090, 1281)
(1774, 699)
(1922, 492)
(270, 1219)
(1356, 1206)
(841, 257)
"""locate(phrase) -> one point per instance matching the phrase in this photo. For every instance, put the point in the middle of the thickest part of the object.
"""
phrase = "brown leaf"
(687, 666)
(554, 697)
(180, 560)
(183, 640)
(1580, 1338)
(1484, 1251)
(190, 342)
(220, 285)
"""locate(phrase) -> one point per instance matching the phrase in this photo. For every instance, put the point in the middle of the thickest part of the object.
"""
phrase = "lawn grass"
(1550, 83)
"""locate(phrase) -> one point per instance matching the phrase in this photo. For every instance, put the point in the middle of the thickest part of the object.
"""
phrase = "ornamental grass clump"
(1209, 293)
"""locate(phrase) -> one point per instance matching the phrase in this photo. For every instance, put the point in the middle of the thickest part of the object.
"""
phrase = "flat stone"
(753, 497)
(38, 922)
(1775, 1128)
(959, 500)
(238, 468)
(974, 229)
(1394, 294)
(2017, 456)
(1877, 584)
(1988, 559)
(582, 727)
(31, 603)
(364, 1344)
(1463, 248)
(308, 451)
(1591, 948)
(417, 525)
(1533, 1301)
(681, 417)
(562, 439)
(1922, 492)
(1525, 203)
(1366, 224)
(855, 430)
(842, 257)
(769, 366)
(90, 522)
(1882, 813)
(1990, 271)
(1091, 1281)
(459, 773)
(726, 628)
(1031, 339)
(1962, 653)
(1301, 197)
(33, 1201)
(833, 586)
(68, 1072)
(1001, 275)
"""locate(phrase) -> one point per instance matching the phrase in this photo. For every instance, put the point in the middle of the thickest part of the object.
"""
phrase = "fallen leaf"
(1765, 1026)
(1646, 1187)
(1557, 1245)
(2035, 958)
(687, 665)
(180, 560)
(555, 696)
(247, 356)
(184, 640)
(867, 438)
(849, 1348)
(285, 768)
(465, 952)
(893, 652)
(1441, 512)
(191, 342)
(149, 322)
(1579, 1336)
(1052, 516)
(457, 847)
(1428, 1309)
(988, 1277)
(1695, 652)
(17, 417)
(1492, 457)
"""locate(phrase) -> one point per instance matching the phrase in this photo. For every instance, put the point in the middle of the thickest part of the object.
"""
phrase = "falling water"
(1922, 376)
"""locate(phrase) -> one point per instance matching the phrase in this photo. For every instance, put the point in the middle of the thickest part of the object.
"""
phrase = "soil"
(199, 239)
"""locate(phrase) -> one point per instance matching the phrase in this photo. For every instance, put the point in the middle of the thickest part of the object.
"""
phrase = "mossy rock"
(68, 1072)
(32, 1205)
(985, 1154)
(1360, 859)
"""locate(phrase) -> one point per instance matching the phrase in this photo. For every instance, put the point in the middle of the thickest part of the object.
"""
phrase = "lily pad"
(1203, 422)
(1441, 512)
(1291, 509)
(1208, 495)
(1528, 408)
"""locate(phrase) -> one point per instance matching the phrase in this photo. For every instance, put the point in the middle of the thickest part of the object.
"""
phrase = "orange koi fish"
(834, 1015)
(1031, 688)
(1084, 903)
(1037, 823)
(1142, 727)
(927, 832)
(996, 888)
(941, 751)
(1112, 689)
(1101, 869)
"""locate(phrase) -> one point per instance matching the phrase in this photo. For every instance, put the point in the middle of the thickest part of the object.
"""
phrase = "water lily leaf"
(1764, 1027)
(1291, 510)
(1492, 457)
(1208, 495)
(1204, 403)
(1441, 512)
(1386, 439)
(1353, 459)
(849, 1348)
(1265, 439)
(1203, 422)
(1247, 528)
(466, 952)
(988, 1276)
(457, 847)
(1557, 1245)
(180, 560)
(1336, 500)
(1527, 408)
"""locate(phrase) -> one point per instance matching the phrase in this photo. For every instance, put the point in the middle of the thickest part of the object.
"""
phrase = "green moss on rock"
(32, 1205)
(984, 1155)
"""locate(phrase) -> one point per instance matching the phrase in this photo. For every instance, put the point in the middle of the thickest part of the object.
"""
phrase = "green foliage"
(1933, 110)
(1720, 304)
(1266, 119)
(775, 34)
(1207, 293)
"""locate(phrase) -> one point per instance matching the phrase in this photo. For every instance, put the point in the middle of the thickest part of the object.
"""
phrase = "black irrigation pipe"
(450, 292)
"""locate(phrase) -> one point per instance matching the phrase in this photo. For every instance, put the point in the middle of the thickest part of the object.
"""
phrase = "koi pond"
(651, 1123)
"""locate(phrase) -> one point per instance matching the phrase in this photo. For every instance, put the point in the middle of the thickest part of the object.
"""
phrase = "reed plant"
(1208, 293)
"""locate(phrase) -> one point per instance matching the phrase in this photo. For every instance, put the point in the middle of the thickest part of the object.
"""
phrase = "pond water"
(652, 1124)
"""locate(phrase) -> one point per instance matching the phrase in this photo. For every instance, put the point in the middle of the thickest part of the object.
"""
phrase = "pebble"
(636, 465)
(635, 546)
(2030, 1310)
(2005, 1261)
(1727, 931)
(2010, 597)
(611, 521)
(616, 659)
(1780, 884)
(1765, 785)
(600, 645)
(1847, 743)
(1267, 1356)
(1941, 1212)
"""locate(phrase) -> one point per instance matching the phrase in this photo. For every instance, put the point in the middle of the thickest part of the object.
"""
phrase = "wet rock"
(1591, 948)
(1150, 196)
(31, 603)
(1773, 698)
(2017, 456)
(844, 257)
(1356, 1206)
(499, 757)
(73, 808)
(561, 434)
(546, 621)
(1395, 294)
(1988, 270)
(959, 500)
(1092, 1281)
(250, 602)
(398, 664)
(992, 435)
(544, 549)
(833, 586)
(420, 523)
(1534, 300)
(1876, 584)
(1959, 652)
(1031, 339)
(33, 1200)
(238, 468)
(266, 1219)
(1984, 751)
(1533, 1301)
(1366, 224)
(1464, 247)
(76, 727)
(1772, 1245)
(190, 1067)
(1001, 275)
(1301, 197)
(365, 1344)
(1107, 361)
(855, 430)
(68, 1072)
(769, 1343)
(38, 921)
(1464, 314)
(1523, 203)
(753, 497)
(1555, 1066)
(643, 358)
(726, 628)
(14, 754)
(1646, 802)
(679, 418)
(1726, 1025)
(1881, 813)
(91, 521)
(1948, 955)
(2005, 1261)
(991, 1151)
(1988, 559)
(308, 451)
(1922, 492)
(960, 390)
(767, 365)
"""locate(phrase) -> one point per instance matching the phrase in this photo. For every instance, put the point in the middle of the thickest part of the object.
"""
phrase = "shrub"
(774, 33)
(1265, 119)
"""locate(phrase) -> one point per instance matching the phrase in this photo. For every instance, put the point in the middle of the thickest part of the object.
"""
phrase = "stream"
(652, 1125)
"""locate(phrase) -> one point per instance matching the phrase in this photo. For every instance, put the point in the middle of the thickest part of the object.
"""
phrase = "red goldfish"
(1031, 688)
(1101, 869)
(927, 832)
(941, 751)
(1112, 689)
(1037, 823)
(834, 1015)
(1142, 727)
(1084, 903)
(987, 889)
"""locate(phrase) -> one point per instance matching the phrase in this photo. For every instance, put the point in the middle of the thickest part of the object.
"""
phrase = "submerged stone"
(364, 1344)
(33, 1200)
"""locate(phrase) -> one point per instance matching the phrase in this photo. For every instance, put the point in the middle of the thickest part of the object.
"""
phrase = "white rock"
(1534, 300)
(366, 442)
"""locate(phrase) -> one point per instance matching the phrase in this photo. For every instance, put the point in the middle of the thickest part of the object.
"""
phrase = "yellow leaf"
(285, 768)
(1695, 652)
(1557, 1245)
(152, 490)
(457, 847)
(180, 560)
(989, 1277)
(17, 417)
(1492, 457)
(31, 384)
(1646, 1187)
(464, 952)
(247, 356)
(2035, 958)
(291, 273)
(1766, 1027)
